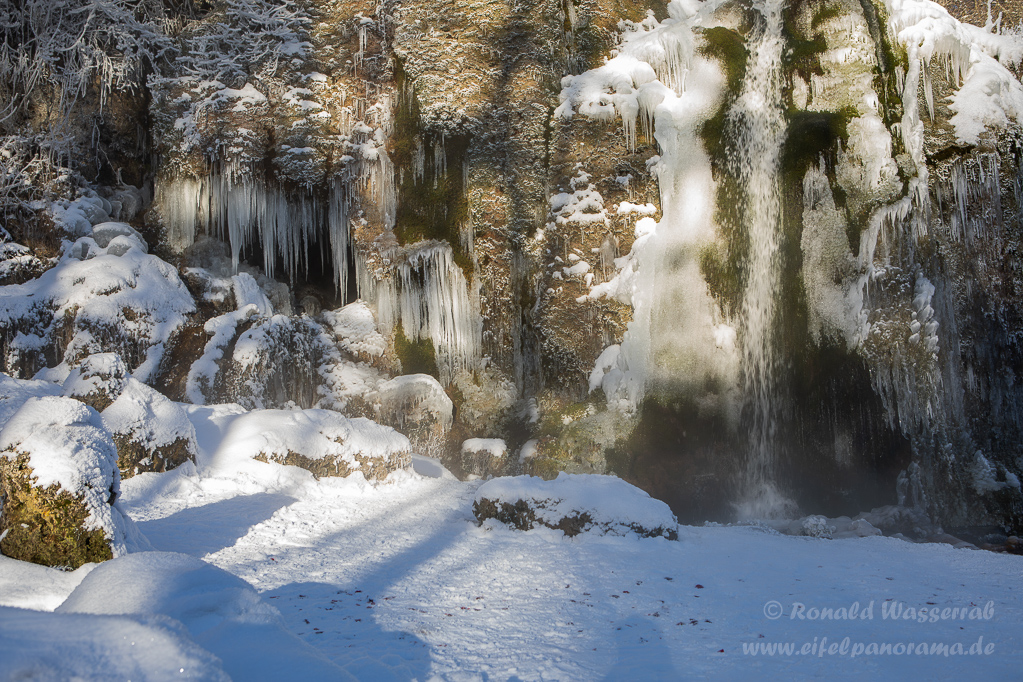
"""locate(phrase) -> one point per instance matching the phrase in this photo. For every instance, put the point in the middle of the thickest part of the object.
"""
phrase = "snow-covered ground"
(396, 581)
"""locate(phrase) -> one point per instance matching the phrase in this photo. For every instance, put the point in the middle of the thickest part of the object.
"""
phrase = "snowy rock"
(18, 264)
(418, 406)
(575, 503)
(484, 456)
(98, 380)
(93, 302)
(151, 432)
(816, 527)
(324, 442)
(59, 482)
(104, 233)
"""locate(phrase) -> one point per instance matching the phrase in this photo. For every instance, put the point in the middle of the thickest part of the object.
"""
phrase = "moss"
(722, 266)
(810, 134)
(45, 525)
(434, 206)
(730, 48)
(823, 13)
(804, 51)
(416, 357)
(373, 468)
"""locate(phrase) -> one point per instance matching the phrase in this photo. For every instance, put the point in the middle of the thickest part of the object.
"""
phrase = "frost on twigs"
(59, 482)
(573, 504)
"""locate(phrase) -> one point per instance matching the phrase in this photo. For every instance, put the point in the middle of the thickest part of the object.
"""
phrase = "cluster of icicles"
(423, 289)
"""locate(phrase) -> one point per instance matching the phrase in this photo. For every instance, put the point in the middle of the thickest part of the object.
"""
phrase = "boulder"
(151, 432)
(323, 442)
(573, 504)
(484, 456)
(58, 483)
(418, 406)
(98, 380)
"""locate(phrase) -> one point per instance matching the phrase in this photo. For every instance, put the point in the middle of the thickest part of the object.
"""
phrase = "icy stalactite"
(231, 203)
(426, 293)
(760, 122)
(974, 184)
(181, 201)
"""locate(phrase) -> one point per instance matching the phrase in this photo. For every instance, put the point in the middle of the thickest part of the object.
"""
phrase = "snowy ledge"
(573, 504)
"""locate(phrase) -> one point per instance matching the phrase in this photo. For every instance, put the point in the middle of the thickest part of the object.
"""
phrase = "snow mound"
(37, 645)
(575, 503)
(219, 610)
(98, 380)
(15, 392)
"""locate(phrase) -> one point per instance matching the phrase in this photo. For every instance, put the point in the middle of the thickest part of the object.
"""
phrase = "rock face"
(58, 482)
(574, 504)
(577, 219)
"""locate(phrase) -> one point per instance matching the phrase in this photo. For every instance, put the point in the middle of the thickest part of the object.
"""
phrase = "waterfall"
(759, 122)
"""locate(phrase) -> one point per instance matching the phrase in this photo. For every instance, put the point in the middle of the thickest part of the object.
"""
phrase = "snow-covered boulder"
(95, 300)
(573, 504)
(98, 380)
(59, 481)
(151, 432)
(484, 456)
(324, 442)
(418, 406)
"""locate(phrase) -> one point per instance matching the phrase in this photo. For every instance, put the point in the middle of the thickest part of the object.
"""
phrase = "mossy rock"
(522, 516)
(135, 456)
(373, 468)
(45, 525)
(98, 380)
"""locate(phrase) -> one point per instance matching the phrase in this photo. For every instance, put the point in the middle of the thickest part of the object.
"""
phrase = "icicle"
(440, 159)
(418, 161)
(180, 200)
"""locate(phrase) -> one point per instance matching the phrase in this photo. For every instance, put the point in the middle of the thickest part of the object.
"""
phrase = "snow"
(221, 612)
(316, 434)
(356, 329)
(608, 500)
(397, 581)
(495, 447)
(30, 586)
(48, 646)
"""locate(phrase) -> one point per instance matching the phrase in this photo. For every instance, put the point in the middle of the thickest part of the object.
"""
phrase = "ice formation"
(429, 296)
